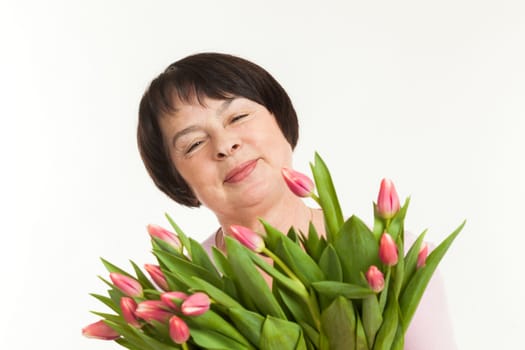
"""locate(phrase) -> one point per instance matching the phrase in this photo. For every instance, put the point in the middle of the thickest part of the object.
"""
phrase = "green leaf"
(211, 320)
(416, 286)
(272, 235)
(360, 335)
(298, 308)
(339, 324)
(199, 285)
(293, 236)
(249, 323)
(357, 248)
(334, 289)
(399, 339)
(372, 318)
(280, 334)
(384, 294)
(201, 258)
(411, 258)
(209, 339)
(313, 244)
(396, 226)
(141, 277)
(379, 224)
(293, 285)
(221, 262)
(186, 267)
(387, 332)
(113, 268)
(182, 236)
(107, 301)
(327, 197)
(398, 270)
(330, 264)
(251, 285)
(302, 265)
(312, 336)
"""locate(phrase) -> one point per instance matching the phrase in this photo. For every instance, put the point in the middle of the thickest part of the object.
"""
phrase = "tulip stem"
(281, 264)
(387, 224)
(185, 346)
(315, 198)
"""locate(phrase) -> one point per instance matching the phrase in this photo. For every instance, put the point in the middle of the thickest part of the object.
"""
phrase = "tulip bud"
(179, 331)
(387, 250)
(375, 279)
(127, 285)
(100, 330)
(128, 307)
(165, 235)
(173, 299)
(300, 184)
(387, 200)
(150, 310)
(157, 276)
(196, 304)
(247, 238)
(422, 256)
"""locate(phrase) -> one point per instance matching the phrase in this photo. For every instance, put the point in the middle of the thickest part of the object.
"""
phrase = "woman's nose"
(227, 148)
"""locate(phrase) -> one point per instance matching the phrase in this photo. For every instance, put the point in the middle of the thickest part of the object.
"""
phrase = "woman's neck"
(289, 211)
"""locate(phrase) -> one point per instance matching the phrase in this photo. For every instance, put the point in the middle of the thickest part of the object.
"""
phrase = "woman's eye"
(193, 146)
(238, 117)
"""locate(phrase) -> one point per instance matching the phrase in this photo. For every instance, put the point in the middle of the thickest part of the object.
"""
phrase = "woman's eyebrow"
(183, 132)
(224, 106)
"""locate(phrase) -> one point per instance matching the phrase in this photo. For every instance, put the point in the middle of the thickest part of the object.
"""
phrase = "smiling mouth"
(240, 172)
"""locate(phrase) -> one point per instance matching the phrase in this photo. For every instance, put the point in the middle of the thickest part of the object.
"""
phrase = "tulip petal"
(196, 304)
(100, 330)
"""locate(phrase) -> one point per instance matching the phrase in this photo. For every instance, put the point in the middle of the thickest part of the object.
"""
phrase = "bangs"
(176, 87)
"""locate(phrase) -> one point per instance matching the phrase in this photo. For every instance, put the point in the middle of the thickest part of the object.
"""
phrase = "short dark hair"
(193, 78)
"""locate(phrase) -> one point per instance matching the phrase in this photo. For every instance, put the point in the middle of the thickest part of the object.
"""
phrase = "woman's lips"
(240, 172)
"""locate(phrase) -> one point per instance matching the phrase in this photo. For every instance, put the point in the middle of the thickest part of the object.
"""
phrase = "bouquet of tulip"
(353, 289)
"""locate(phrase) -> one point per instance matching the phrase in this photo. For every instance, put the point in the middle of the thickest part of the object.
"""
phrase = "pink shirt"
(430, 328)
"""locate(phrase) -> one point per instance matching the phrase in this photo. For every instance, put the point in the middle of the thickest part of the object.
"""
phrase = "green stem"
(387, 224)
(315, 198)
(282, 265)
(185, 346)
(314, 311)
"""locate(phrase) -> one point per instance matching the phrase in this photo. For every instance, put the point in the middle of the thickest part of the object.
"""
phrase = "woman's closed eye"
(193, 146)
(238, 117)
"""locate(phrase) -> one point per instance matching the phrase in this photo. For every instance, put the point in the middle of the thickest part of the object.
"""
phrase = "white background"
(430, 94)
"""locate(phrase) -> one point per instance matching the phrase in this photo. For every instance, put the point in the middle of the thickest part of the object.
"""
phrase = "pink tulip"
(165, 235)
(128, 307)
(179, 331)
(422, 256)
(300, 184)
(196, 304)
(387, 250)
(157, 276)
(247, 237)
(173, 299)
(150, 310)
(127, 285)
(100, 330)
(387, 200)
(375, 279)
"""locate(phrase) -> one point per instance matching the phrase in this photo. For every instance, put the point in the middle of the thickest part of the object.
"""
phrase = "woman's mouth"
(241, 171)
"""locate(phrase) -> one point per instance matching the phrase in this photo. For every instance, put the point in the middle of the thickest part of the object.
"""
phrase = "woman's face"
(230, 152)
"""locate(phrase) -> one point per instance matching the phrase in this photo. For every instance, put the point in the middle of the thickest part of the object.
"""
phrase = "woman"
(216, 130)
